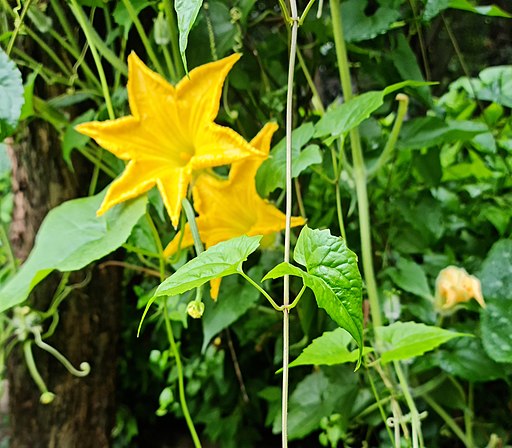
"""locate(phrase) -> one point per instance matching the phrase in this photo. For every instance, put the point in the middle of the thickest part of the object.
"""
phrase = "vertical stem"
(171, 20)
(468, 417)
(18, 26)
(359, 170)
(80, 16)
(170, 336)
(143, 36)
(289, 191)
(417, 437)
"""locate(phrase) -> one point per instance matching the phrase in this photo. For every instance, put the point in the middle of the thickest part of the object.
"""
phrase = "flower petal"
(173, 189)
(137, 178)
(219, 145)
(199, 94)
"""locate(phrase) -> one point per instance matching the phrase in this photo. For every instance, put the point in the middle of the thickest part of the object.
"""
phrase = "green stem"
(49, 51)
(32, 368)
(287, 234)
(378, 402)
(172, 342)
(171, 20)
(143, 36)
(191, 218)
(468, 417)
(169, 63)
(85, 368)
(18, 27)
(359, 170)
(96, 40)
(61, 16)
(417, 436)
(82, 21)
(261, 290)
(96, 161)
(403, 103)
(315, 100)
(447, 419)
(181, 383)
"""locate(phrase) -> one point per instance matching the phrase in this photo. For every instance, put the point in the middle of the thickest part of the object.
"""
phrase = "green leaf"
(426, 132)
(186, 11)
(318, 395)
(496, 272)
(11, 94)
(27, 109)
(329, 349)
(272, 173)
(333, 276)
(496, 324)
(403, 340)
(466, 358)
(434, 7)
(341, 119)
(357, 26)
(410, 277)
(234, 300)
(218, 261)
(70, 237)
(123, 18)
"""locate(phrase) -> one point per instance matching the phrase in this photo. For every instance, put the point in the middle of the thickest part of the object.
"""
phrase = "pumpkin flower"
(232, 207)
(170, 134)
(454, 285)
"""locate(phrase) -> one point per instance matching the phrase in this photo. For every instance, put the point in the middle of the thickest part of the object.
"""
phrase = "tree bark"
(82, 414)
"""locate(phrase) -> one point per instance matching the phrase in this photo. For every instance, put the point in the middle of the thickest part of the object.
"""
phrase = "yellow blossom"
(169, 135)
(454, 285)
(232, 207)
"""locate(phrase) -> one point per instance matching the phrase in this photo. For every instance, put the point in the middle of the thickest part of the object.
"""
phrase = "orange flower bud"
(454, 285)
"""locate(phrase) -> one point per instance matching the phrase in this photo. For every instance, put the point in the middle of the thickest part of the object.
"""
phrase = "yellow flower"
(230, 208)
(454, 285)
(169, 135)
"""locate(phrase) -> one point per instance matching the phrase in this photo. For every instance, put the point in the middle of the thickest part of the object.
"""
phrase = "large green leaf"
(403, 340)
(329, 349)
(318, 395)
(272, 173)
(496, 319)
(496, 324)
(496, 272)
(341, 119)
(233, 302)
(218, 261)
(332, 274)
(358, 26)
(186, 11)
(466, 358)
(70, 237)
(434, 7)
(11, 94)
(426, 132)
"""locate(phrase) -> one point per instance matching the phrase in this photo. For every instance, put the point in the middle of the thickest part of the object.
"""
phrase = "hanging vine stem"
(286, 289)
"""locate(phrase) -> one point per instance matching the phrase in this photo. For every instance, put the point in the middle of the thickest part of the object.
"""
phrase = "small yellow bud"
(454, 285)
(195, 309)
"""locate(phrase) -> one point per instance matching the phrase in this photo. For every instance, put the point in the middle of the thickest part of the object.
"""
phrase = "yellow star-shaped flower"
(232, 207)
(169, 135)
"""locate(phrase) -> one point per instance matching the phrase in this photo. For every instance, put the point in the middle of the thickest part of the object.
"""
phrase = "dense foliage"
(430, 188)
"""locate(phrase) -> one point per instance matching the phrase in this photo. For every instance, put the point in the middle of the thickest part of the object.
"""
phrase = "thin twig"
(236, 365)
(289, 191)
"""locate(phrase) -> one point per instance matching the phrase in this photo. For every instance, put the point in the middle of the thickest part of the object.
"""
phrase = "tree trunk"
(82, 414)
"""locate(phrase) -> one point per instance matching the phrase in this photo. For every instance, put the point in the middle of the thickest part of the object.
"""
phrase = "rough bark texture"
(82, 414)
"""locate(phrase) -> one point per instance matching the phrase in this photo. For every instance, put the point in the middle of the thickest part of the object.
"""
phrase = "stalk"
(289, 192)
(359, 170)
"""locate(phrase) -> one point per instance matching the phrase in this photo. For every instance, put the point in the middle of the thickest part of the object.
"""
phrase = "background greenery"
(443, 197)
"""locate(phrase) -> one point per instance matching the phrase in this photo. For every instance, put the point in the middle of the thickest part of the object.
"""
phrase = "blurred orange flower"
(454, 285)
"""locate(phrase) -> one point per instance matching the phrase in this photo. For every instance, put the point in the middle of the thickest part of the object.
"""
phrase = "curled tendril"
(85, 368)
